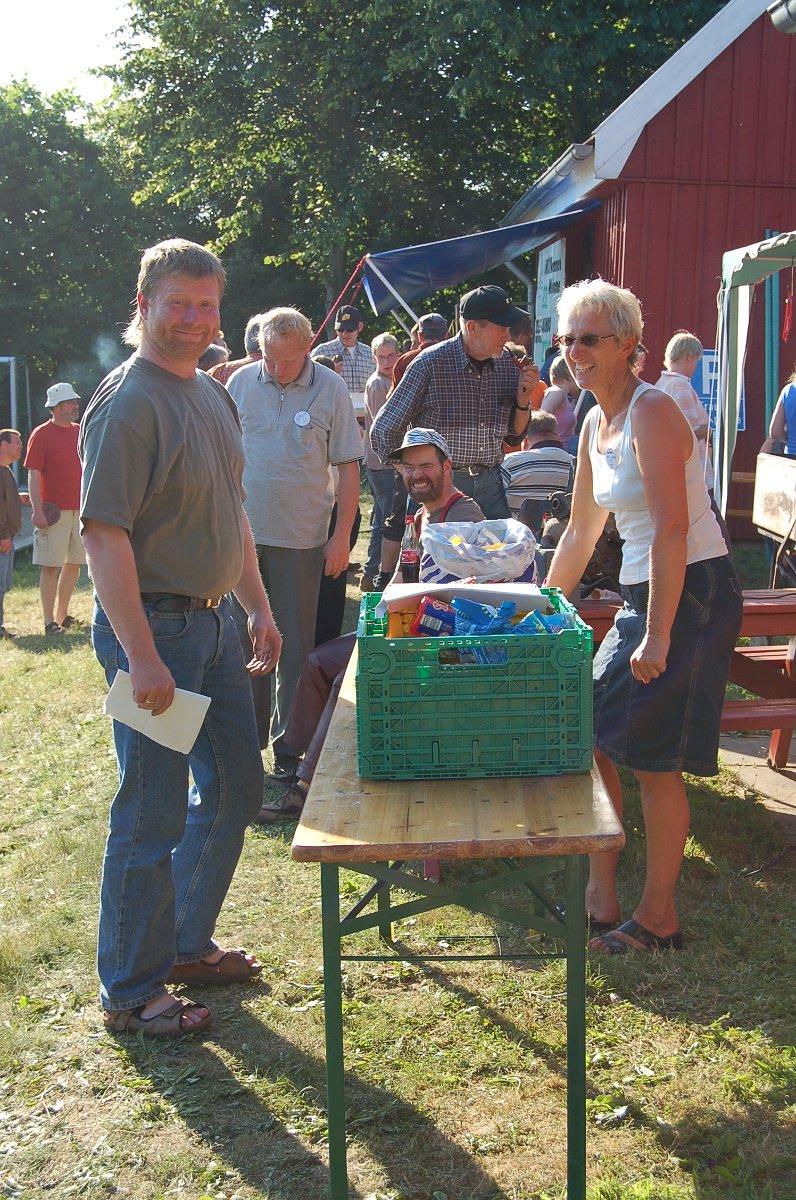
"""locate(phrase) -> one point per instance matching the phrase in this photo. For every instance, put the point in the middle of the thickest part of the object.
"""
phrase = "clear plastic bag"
(489, 551)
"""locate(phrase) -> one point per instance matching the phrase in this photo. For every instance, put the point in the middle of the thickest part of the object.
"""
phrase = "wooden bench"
(776, 715)
(781, 658)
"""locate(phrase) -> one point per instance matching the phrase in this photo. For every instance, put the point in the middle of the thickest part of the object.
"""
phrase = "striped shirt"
(442, 390)
(535, 474)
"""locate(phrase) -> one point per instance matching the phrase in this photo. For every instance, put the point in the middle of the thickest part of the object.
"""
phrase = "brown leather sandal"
(234, 967)
(169, 1023)
(632, 936)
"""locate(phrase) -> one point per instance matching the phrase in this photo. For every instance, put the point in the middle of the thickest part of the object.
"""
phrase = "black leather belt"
(170, 602)
(477, 470)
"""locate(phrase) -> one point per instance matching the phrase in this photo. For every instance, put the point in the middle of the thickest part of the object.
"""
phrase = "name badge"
(302, 418)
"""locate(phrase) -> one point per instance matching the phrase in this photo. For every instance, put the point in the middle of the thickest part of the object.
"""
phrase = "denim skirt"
(673, 722)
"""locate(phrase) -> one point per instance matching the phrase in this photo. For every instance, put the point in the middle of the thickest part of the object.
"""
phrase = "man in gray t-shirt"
(167, 537)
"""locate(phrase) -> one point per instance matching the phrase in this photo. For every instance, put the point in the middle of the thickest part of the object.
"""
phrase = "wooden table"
(768, 672)
(366, 825)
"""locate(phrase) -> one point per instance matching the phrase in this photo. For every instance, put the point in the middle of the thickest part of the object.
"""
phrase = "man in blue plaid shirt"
(358, 361)
(470, 390)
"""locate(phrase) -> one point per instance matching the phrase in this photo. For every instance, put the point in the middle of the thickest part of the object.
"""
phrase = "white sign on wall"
(549, 285)
(705, 384)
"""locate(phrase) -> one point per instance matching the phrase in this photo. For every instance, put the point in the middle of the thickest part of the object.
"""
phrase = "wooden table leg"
(333, 1022)
(575, 883)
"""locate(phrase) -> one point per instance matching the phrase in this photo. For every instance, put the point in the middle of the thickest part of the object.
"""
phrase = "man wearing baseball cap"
(358, 361)
(470, 390)
(424, 460)
(431, 328)
(54, 473)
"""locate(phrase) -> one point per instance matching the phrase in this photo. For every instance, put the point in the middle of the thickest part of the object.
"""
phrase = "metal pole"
(575, 877)
(333, 1022)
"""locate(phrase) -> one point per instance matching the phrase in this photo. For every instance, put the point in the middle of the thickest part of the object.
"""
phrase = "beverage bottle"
(410, 553)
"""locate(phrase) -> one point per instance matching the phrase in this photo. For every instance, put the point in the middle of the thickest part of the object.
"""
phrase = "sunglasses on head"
(585, 339)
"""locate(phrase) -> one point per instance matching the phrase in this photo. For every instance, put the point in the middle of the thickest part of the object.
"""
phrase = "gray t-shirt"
(163, 458)
(292, 435)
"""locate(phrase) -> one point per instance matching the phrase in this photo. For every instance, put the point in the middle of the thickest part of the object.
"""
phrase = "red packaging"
(433, 618)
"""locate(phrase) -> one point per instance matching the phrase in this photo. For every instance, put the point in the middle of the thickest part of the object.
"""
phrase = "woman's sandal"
(233, 967)
(593, 926)
(169, 1023)
(632, 936)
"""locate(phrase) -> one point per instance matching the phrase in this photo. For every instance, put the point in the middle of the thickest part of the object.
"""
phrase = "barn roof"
(584, 165)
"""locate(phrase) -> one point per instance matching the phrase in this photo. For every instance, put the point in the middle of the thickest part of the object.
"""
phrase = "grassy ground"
(456, 1077)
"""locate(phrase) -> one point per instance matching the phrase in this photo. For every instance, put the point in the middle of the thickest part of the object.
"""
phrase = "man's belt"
(479, 469)
(171, 602)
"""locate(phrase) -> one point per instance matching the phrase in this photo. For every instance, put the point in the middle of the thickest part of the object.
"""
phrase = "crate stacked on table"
(423, 713)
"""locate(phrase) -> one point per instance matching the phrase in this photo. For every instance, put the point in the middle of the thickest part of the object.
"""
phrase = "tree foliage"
(66, 239)
(310, 133)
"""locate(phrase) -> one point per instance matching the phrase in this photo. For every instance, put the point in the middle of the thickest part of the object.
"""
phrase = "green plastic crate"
(422, 716)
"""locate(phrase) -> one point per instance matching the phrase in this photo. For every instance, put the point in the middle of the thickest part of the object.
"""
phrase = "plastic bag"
(490, 551)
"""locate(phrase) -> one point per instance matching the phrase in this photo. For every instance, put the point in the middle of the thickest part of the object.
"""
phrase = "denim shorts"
(673, 722)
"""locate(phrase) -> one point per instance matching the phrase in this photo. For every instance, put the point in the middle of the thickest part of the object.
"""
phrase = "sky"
(55, 42)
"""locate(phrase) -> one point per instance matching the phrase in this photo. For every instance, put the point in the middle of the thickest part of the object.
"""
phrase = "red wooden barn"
(698, 160)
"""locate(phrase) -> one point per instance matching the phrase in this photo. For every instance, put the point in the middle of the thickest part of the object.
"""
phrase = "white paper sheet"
(177, 728)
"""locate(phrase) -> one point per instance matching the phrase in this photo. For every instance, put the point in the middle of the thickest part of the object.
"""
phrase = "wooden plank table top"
(350, 819)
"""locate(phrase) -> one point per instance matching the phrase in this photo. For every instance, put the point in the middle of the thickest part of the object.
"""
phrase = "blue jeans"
(172, 851)
(6, 574)
(380, 483)
(487, 490)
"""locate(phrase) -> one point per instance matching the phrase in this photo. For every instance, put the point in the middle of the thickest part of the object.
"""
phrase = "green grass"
(455, 1074)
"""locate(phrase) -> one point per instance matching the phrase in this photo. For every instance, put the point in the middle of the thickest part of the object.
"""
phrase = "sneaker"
(71, 622)
(6, 633)
(52, 629)
(287, 808)
(366, 583)
(284, 772)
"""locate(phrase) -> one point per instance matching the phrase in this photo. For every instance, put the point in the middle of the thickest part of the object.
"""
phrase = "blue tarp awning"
(402, 276)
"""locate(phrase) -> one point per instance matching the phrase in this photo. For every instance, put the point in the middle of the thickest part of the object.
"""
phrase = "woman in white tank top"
(660, 675)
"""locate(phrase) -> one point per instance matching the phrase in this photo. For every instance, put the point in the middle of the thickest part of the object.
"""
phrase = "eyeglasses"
(585, 339)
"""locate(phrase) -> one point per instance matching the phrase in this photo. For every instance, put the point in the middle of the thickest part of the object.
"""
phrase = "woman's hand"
(649, 660)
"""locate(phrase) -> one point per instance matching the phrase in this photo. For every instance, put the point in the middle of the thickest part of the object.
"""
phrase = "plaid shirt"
(442, 390)
(358, 364)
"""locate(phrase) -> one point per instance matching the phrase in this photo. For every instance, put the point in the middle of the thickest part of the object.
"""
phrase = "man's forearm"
(115, 577)
(397, 413)
(250, 589)
(34, 489)
(347, 498)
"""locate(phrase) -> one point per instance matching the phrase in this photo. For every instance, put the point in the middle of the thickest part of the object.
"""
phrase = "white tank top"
(619, 489)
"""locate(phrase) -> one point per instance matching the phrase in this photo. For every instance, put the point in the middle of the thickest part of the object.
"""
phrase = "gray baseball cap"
(433, 327)
(420, 437)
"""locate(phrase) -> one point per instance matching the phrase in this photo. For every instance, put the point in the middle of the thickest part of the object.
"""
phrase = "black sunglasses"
(585, 339)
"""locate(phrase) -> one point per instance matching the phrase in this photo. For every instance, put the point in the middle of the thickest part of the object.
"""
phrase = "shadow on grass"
(61, 643)
(414, 1156)
(737, 906)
